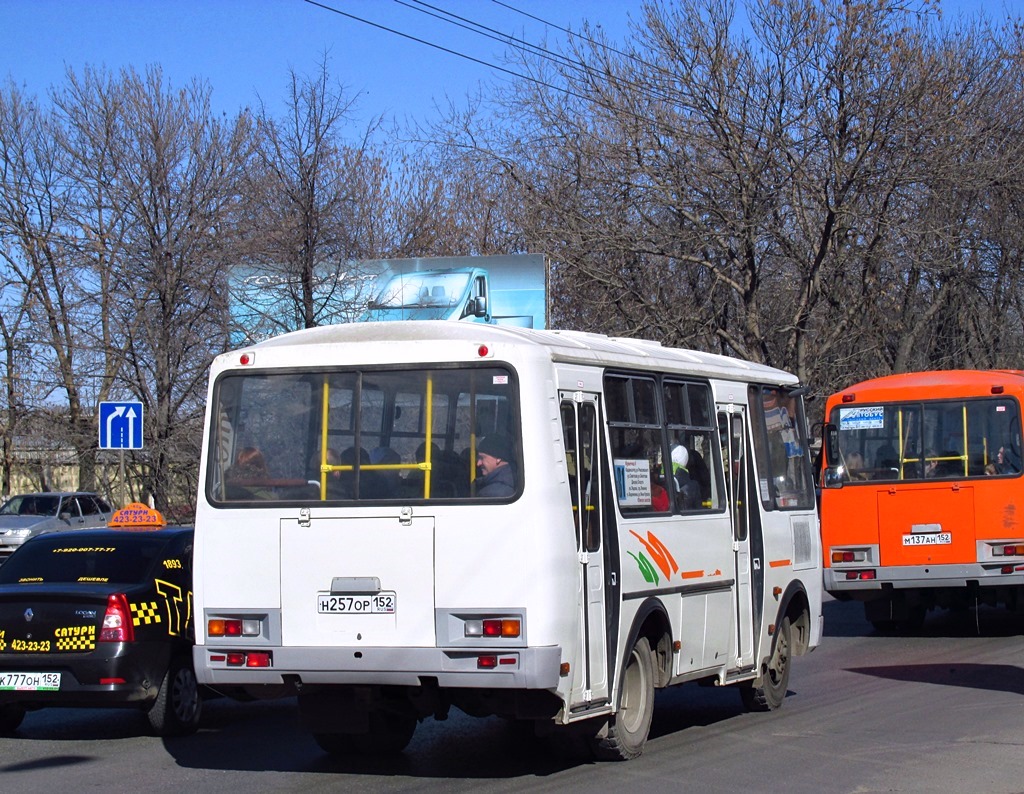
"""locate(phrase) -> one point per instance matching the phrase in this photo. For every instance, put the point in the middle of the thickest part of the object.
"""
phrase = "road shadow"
(846, 619)
(270, 737)
(991, 677)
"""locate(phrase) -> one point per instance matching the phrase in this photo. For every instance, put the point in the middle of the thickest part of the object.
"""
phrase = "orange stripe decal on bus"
(692, 574)
(662, 556)
(780, 563)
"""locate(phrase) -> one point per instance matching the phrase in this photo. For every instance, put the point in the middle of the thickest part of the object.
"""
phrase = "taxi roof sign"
(137, 516)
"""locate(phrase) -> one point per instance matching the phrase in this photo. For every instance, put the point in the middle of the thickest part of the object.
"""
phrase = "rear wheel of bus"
(628, 728)
(774, 678)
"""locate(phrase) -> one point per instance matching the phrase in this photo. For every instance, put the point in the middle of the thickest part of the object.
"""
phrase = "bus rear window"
(364, 436)
(977, 437)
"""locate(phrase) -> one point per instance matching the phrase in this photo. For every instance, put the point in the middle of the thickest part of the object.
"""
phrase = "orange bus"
(920, 483)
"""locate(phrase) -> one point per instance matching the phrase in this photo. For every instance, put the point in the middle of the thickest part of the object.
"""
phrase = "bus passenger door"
(580, 429)
(732, 430)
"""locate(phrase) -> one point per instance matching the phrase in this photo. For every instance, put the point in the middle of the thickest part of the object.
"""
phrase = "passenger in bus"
(700, 472)
(387, 481)
(855, 466)
(247, 478)
(494, 461)
(343, 486)
(1006, 461)
(687, 489)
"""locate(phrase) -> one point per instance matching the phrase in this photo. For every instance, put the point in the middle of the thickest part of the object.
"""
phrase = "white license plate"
(382, 603)
(929, 539)
(30, 682)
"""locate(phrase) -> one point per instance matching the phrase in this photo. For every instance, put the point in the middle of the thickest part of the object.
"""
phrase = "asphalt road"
(939, 711)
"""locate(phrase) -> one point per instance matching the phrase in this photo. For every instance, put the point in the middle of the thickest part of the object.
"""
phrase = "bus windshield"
(364, 435)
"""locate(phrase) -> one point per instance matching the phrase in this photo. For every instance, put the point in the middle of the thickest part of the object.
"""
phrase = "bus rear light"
(1013, 550)
(491, 662)
(493, 627)
(112, 681)
(247, 659)
(860, 575)
(232, 627)
(849, 556)
(247, 359)
(1006, 569)
(849, 397)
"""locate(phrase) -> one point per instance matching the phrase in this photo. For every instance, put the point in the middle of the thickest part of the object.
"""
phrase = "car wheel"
(178, 705)
(10, 718)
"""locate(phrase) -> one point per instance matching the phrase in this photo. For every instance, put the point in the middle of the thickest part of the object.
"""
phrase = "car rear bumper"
(132, 674)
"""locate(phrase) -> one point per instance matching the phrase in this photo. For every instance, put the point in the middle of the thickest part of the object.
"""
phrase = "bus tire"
(628, 727)
(11, 716)
(775, 678)
(390, 733)
(179, 704)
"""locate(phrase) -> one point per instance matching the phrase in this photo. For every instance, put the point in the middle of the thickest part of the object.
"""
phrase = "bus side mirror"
(479, 307)
(830, 437)
(833, 473)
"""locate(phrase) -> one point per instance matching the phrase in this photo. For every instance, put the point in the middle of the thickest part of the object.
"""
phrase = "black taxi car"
(100, 617)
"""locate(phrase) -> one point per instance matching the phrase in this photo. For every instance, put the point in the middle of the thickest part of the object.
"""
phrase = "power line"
(448, 50)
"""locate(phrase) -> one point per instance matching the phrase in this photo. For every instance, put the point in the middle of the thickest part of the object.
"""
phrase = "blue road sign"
(120, 425)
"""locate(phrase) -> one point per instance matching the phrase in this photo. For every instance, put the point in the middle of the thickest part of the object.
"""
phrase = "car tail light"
(117, 621)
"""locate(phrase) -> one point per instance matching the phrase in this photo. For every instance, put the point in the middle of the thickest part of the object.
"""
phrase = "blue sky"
(246, 47)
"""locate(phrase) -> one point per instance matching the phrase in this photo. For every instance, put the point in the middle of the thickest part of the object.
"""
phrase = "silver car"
(27, 515)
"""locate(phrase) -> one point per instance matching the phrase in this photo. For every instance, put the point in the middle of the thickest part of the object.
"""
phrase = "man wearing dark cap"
(493, 459)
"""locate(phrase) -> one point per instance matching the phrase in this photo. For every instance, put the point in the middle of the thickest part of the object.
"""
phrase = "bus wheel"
(628, 727)
(389, 733)
(11, 716)
(775, 679)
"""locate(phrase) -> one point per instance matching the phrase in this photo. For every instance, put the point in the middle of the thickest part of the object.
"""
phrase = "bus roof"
(563, 346)
(935, 384)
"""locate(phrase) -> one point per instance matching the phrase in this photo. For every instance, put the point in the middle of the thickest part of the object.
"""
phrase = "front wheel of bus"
(775, 678)
(628, 727)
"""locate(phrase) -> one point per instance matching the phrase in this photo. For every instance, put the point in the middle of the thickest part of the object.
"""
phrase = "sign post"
(120, 428)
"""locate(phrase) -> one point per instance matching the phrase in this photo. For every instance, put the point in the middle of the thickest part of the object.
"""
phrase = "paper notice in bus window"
(865, 418)
(633, 482)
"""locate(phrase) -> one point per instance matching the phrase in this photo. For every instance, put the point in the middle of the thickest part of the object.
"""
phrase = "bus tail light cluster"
(860, 575)
(1014, 549)
(244, 658)
(489, 661)
(494, 627)
(233, 627)
(849, 556)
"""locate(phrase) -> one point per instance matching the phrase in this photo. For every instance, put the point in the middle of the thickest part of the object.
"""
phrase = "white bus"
(654, 524)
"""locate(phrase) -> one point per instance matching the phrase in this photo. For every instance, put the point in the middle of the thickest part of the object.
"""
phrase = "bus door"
(580, 432)
(732, 422)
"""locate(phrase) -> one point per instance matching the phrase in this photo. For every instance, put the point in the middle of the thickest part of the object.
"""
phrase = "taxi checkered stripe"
(86, 642)
(145, 613)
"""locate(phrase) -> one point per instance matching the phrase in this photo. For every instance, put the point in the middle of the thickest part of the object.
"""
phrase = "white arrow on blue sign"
(120, 425)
